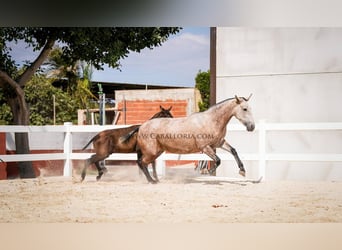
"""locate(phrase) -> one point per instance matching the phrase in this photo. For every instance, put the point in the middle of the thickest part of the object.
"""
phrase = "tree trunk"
(20, 108)
(22, 147)
(20, 113)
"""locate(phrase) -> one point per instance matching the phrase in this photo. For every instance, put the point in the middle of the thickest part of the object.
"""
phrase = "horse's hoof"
(243, 173)
(98, 178)
(212, 171)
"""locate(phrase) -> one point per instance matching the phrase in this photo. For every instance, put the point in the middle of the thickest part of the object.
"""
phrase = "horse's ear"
(169, 108)
(237, 99)
(249, 97)
(161, 108)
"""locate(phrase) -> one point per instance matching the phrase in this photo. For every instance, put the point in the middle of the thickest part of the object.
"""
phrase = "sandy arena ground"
(124, 196)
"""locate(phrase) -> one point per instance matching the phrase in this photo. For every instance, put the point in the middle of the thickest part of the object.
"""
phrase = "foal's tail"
(93, 139)
(127, 137)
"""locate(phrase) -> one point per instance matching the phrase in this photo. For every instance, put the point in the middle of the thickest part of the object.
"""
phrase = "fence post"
(160, 166)
(262, 149)
(67, 171)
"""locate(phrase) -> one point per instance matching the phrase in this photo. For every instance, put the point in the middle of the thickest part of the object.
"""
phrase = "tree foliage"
(202, 80)
(39, 94)
(77, 76)
(97, 45)
(5, 111)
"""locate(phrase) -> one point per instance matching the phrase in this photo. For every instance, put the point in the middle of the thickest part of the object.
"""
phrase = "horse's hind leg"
(84, 171)
(100, 169)
(155, 176)
(211, 153)
(146, 173)
(232, 150)
(94, 159)
(144, 169)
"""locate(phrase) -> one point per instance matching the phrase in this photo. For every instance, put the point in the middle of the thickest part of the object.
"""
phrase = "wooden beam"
(212, 66)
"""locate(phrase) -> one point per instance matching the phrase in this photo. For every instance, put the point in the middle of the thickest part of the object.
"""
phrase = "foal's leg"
(232, 150)
(94, 159)
(84, 171)
(101, 169)
(211, 153)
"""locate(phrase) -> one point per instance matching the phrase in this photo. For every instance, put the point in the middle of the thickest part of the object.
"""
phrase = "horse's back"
(108, 141)
(171, 125)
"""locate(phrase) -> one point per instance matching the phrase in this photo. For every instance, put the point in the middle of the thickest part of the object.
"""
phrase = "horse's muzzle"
(250, 126)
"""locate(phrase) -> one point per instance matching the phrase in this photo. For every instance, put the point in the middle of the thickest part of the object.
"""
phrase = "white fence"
(261, 156)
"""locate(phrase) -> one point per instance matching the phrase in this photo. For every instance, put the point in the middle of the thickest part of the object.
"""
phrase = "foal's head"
(243, 112)
(163, 113)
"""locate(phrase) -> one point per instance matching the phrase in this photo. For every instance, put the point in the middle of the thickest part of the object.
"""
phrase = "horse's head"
(243, 112)
(163, 113)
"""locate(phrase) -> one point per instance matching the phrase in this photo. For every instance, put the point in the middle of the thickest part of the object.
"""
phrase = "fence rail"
(261, 156)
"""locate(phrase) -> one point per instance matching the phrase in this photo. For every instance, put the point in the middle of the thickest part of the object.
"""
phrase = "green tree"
(57, 67)
(39, 94)
(202, 80)
(5, 110)
(98, 46)
(82, 94)
(78, 76)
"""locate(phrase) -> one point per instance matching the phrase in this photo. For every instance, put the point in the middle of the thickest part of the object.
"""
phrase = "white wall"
(295, 75)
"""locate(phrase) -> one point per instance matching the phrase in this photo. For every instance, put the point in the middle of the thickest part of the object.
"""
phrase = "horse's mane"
(228, 99)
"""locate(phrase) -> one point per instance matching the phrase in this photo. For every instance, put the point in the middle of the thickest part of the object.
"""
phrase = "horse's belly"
(180, 147)
(181, 151)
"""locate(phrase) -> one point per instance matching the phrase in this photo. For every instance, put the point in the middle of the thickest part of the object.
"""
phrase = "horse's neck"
(158, 115)
(222, 113)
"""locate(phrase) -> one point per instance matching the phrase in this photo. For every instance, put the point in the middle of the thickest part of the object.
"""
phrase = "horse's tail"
(93, 139)
(127, 137)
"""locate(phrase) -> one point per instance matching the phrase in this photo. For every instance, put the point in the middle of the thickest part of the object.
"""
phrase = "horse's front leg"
(211, 153)
(232, 150)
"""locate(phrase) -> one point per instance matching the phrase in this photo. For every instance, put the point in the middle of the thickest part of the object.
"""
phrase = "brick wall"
(139, 111)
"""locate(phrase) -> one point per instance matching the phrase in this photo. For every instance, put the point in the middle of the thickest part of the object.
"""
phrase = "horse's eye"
(244, 109)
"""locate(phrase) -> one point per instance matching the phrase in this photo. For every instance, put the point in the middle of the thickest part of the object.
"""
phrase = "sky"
(175, 63)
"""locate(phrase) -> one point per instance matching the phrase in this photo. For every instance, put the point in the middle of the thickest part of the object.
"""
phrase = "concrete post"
(67, 172)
